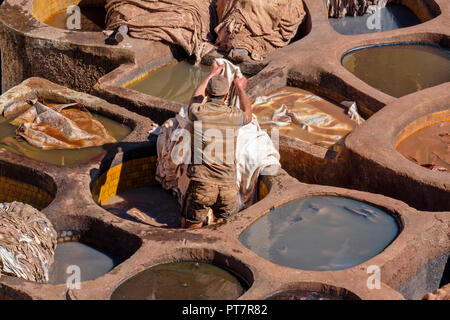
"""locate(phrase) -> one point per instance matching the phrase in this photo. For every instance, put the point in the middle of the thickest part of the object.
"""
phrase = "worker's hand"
(240, 82)
(216, 69)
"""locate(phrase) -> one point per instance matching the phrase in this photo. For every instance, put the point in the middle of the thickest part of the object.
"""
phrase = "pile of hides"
(27, 242)
(255, 152)
(257, 26)
(342, 8)
(61, 126)
(187, 23)
(254, 25)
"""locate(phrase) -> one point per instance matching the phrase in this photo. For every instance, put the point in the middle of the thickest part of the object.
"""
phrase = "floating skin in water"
(398, 70)
(92, 262)
(321, 233)
(181, 281)
(91, 19)
(9, 141)
(152, 205)
(299, 114)
(175, 82)
(429, 147)
(391, 17)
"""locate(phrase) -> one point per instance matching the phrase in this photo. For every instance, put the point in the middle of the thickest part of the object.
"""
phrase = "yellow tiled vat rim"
(13, 190)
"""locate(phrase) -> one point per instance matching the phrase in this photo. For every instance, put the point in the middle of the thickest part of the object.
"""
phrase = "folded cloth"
(230, 71)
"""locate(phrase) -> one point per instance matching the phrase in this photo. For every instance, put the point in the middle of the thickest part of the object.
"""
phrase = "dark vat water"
(429, 147)
(152, 205)
(393, 16)
(92, 19)
(59, 156)
(93, 263)
(181, 281)
(400, 69)
(321, 233)
(303, 295)
(175, 82)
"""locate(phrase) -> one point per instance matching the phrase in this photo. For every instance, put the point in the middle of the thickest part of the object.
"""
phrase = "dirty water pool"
(62, 157)
(185, 280)
(429, 147)
(299, 114)
(321, 233)
(76, 258)
(400, 69)
(391, 17)
(149, 205)
(175, 81)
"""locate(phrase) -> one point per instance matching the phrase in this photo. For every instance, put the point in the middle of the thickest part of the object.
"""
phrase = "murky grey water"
(181, 281)
(151, 205)
(400, 69)
(321, 233)
(175, 82)
(93, 263)
(393, 16)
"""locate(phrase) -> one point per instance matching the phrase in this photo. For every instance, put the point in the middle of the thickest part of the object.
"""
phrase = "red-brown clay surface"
(369, 162)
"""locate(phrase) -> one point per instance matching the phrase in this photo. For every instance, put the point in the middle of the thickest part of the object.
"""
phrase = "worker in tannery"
(212, 172)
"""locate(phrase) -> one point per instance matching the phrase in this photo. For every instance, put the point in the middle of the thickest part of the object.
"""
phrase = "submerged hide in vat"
(27, 242)
(187, 23)
(64, 126)
(257, 26)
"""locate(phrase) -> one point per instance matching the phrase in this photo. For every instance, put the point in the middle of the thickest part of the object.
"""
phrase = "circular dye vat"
(429, 147)
(151, 205)
(59, 156)
(181, 281)
(91, 19)
(175, 81)
(391, 17)
(92, 263)
(400, 69)
(304, 295)
(321, 233)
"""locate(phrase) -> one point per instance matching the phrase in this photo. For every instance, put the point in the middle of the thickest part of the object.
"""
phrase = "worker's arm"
(240, 85)
(200, 92)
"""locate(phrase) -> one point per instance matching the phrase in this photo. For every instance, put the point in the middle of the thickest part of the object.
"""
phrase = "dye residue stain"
(92, 262)
(429, 147)
(321, 233)
(398, 70)
(303, 295)
(92, 19)
(175, 82)
(393, 16)
(59, 156)
(305, 116)
(181, 281)
(152, 205)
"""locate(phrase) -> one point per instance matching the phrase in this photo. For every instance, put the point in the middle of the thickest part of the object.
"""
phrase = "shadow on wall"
(434, 275)
(305, 28)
